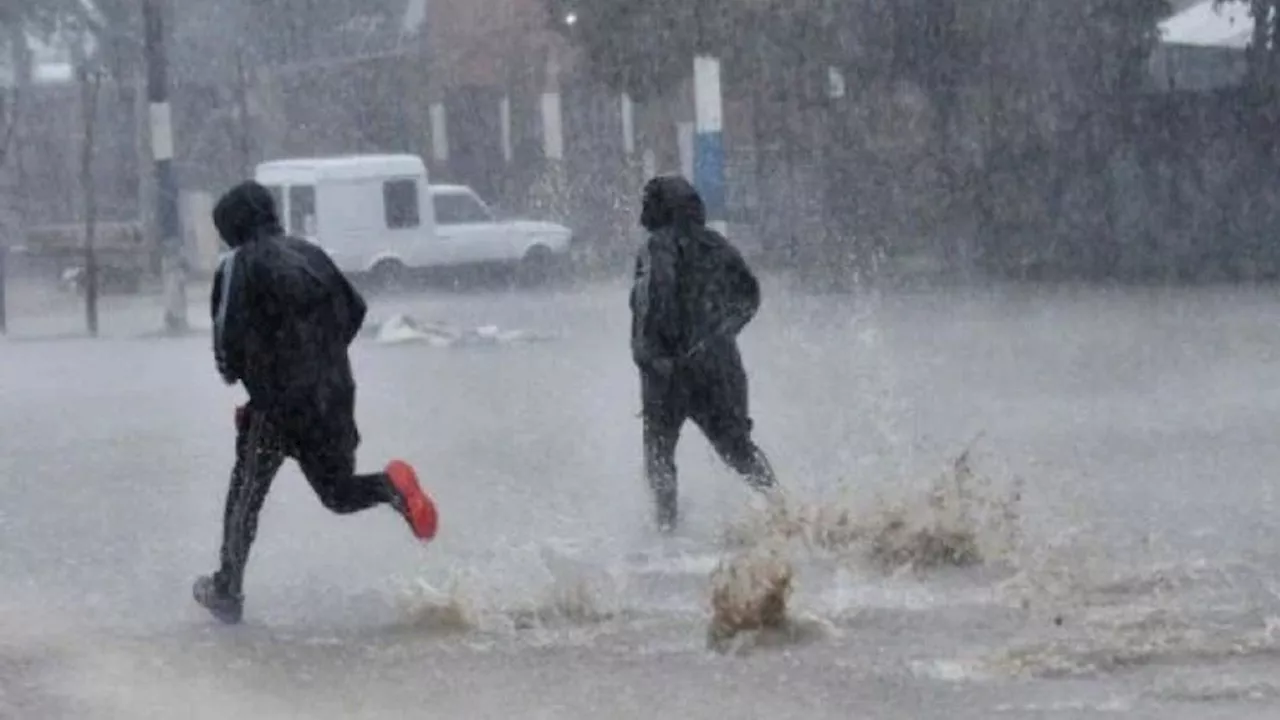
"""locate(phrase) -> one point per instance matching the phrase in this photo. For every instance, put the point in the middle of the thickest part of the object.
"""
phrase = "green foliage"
(640, 48)
(1122, 34)
(1265, 44)
(112, 24)
(37, 16)
(646, 47)
(1266, 35)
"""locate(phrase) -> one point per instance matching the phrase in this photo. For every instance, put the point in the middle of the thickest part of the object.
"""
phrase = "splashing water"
(547, 592)
(749, 593)
(962, 521)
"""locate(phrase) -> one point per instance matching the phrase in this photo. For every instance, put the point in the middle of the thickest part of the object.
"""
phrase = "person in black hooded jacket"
(692, 295)
(283, 318)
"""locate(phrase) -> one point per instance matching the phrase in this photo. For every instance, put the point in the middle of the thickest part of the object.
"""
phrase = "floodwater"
(1120, 512)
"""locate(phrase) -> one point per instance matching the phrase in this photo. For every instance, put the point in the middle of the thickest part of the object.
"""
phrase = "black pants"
(261, 449)
(714, 396)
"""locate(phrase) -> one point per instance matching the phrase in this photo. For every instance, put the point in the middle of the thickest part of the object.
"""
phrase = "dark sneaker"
(416, 507)
(223, 605)
(761, 477)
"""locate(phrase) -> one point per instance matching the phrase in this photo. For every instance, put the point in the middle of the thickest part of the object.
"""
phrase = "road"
(1137, 424)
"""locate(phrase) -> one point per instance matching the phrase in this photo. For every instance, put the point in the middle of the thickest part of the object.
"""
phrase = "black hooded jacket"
(693, 291)
(283, 314)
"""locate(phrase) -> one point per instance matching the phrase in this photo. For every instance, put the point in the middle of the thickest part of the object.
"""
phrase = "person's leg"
(330, 470)
(722, 412)
(660, 438)
(259, 455)
(663, 416)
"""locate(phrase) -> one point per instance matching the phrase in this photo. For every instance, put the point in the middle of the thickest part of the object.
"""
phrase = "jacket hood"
(671, 201)
(247, 211)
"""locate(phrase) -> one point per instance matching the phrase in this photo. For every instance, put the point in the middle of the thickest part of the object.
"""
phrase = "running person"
(693, 293)
(284, 316)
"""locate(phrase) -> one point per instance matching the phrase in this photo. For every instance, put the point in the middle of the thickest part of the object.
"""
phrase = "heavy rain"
(1015, 364)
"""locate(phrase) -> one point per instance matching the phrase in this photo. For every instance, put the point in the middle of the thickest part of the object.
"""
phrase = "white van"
(377, 214)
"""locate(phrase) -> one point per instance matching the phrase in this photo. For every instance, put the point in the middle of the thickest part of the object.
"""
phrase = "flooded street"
(1122, 502)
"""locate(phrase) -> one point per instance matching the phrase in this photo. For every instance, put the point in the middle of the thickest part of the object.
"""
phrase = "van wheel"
(388, 275)
(538, 266)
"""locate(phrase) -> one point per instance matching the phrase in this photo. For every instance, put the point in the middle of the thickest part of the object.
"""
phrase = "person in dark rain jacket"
(283, 318)
(692, 295)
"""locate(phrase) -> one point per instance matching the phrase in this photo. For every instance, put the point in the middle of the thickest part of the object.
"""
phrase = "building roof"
(1206, 24)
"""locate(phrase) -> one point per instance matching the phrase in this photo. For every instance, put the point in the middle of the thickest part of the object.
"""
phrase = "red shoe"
(416, 506)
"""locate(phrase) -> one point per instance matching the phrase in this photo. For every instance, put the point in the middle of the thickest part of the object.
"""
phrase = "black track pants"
(714, 397)
(260, 451)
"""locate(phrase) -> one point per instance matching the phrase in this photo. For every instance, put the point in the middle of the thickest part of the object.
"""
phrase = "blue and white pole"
(172, 266)
(708, 142)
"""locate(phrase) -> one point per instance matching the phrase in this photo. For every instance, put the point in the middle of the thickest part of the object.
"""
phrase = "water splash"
(1133, 639)
(537, 587)
(749, 594)
(962, 520)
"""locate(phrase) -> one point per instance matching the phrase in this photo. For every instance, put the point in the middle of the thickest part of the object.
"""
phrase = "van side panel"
(348, 231)
(354, 229)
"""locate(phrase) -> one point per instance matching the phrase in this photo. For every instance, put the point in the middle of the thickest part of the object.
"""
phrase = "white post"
(439, 133)
(552, 126)
(504, 112)
(628, 125)
(552, 182)
(708, 146)
(835, 83)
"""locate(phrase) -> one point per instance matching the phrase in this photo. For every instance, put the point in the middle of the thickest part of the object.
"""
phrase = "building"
(1203, 47)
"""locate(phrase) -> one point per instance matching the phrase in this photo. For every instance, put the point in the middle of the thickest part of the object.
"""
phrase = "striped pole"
(708, 142)
(172, 266)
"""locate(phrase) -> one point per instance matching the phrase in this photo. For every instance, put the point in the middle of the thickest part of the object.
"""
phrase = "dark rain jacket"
(283, 318)
(693, 292)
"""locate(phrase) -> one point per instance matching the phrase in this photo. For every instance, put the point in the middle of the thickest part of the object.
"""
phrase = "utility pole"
(166, 186)
(242, 112)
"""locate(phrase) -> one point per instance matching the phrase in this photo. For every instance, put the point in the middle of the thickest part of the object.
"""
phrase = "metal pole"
(89, 80)
(242, 109)
(172, 265)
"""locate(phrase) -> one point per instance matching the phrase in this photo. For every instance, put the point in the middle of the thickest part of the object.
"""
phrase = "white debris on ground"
(401, 329)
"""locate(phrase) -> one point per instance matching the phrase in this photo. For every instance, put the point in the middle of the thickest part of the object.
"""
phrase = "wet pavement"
(1139, 425)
